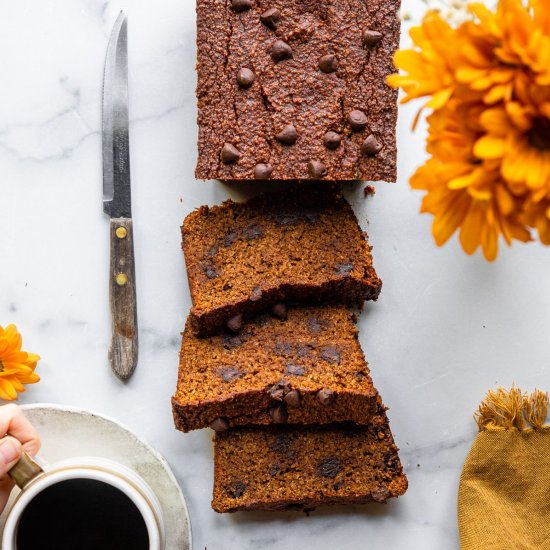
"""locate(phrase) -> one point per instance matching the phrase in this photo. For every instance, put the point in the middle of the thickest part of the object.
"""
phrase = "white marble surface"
(446, 327)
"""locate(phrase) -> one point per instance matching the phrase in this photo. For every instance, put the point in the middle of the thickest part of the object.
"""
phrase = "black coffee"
(81, 514)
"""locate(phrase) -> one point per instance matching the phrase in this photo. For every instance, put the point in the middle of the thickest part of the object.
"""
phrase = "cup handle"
(25, 471)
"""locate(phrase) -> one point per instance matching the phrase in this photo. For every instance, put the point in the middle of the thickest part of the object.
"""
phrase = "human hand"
(18, 436)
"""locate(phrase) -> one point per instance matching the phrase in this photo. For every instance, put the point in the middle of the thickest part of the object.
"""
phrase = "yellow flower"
(16, 366)
(464, 192)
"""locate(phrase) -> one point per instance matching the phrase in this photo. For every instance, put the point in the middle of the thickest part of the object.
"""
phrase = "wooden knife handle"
(123, 353)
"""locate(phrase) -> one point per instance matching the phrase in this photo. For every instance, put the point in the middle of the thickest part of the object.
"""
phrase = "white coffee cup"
(33, 479)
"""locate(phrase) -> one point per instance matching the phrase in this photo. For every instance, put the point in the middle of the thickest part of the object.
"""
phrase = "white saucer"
(67, 432)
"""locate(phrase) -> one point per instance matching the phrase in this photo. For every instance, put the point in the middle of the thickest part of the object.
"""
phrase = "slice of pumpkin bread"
(306, 368)
(301, 244)
(293, 468)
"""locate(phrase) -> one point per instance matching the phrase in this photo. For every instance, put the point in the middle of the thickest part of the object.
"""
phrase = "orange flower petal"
(7, 391)
(16, 366)
(495, 121)
(470, 232)
(489, 242)
(489, 147)
(439, 99)
(448, 222)
(504, 200)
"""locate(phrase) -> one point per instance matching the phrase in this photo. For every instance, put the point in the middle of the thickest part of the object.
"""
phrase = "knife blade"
(123, 350)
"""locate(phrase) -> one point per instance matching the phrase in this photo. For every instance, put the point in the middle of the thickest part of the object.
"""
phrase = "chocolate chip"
(274, 469)
(210, 272)
(279, 414)
(237, 489)
(338, 485)
(316, 169)
(286, 218)
(380, 495)
(343, 269)
(330, 355)
(288, 135)
(241, 5)
(270, 17)
(230, 153)
(280, 50)
(279, 390)
(281, 444)
(301, 351)
(295, 370)
(293, 398)
(220, 425)
(279, 311)
(276, 393)
(371, 146)
(371, 38)
(314, 325)
(332, 140)
(228, 374)
(245, 77)
(329, 467)
(213, 250)
(263, 171)
(328, 63)
(231, 341)
(253, 232)
(230, 238)
(235, 323)
(326, 397)
(357, 120)
(256, 294)
(283, 348)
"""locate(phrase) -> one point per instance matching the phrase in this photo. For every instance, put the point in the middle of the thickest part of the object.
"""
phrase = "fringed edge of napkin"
(512, 409)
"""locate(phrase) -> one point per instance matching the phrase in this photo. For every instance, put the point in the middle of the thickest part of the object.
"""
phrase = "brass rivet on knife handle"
(123, 352)
(121, 232)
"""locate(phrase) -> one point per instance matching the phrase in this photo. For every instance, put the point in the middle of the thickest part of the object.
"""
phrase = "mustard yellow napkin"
(504, 492)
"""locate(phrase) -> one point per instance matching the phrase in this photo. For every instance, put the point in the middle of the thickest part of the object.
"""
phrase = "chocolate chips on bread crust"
(275, 78)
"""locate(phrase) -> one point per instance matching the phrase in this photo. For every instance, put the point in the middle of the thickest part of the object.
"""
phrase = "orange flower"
(518, 136)
(463, 192)
(16, 366)
(503, 47)
(431, 65)
(479, 68)
(489, 133)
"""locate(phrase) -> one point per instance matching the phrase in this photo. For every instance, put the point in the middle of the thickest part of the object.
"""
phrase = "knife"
(123, 351)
